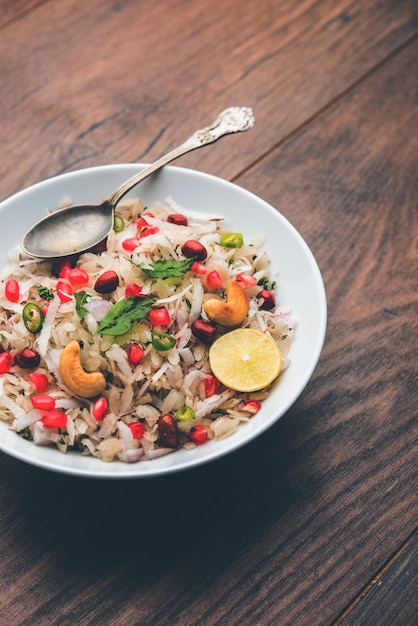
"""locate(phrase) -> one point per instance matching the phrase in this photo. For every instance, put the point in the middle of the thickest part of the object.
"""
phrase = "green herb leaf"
(170, 268)
(80, 302)
(123, 315)
(45, 293)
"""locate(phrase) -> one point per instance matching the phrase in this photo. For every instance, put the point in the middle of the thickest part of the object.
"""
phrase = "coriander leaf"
(170, 268)
(80, 301)
(45, 293)
(122, 316)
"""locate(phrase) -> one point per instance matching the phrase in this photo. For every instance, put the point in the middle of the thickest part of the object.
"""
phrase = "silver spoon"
(81, 227)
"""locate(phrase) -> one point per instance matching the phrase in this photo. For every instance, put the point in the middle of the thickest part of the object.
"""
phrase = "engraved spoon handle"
(232, 120)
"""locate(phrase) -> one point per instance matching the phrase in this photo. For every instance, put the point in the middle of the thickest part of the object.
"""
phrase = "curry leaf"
(122, 316)
(170, 268)
(80, 301)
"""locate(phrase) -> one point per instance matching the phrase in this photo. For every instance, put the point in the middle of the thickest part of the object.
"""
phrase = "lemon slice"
(245, 359)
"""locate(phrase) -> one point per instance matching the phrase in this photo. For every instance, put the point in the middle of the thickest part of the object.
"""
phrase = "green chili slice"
(185, 414)
(162, 341)
(33, 317)
(118, 223)
(232, 240)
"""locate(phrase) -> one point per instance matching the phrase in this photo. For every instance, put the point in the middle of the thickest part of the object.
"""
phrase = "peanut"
(80, 382)
(233, 311)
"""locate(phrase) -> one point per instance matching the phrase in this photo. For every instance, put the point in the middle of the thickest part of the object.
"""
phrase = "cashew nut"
(233, 311)
(80, 382)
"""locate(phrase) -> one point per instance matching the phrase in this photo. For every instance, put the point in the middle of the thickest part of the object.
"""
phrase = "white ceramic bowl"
(300, 286)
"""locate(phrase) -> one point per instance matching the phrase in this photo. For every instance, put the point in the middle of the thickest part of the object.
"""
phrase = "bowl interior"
(299, 285)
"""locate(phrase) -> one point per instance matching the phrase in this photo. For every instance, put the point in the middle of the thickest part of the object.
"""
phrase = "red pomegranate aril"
(214, 280)
(198, 434)
(45, 403)
(246, 279)
(133, 290)
(141, 221)
(77, 276)
(6, 362)
(269, 301)
(64, 269)
(178, 219)
(43, 305)
(106, 282)
(12, 290)
(100, 409)
(168, 431)
(65, 291)
(193, 248)
(137, 430)
(212, 385)
(251, 406)
(130, 244)
(205, 331)
(27, 358)
(150, 230)
(39, 380)
(135, 355)
(159, 317)
(54, 419)
(198, 268)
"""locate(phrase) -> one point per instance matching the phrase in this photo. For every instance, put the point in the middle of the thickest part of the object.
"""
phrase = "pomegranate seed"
(135, 355)
(11, 290)
(205, 331)
(65, 291)
(150, 230)
(193, 248)
(246, 279)
(168, 431)
(65, 269)
(137, 429)
(6, 362)
(212, 385)
(77, 276)
(54, 419)
(130, 243)
(45, 403)
(159, 317)
(214, 280)
(100, 409)
(133, 290)
(198, 268)
(198, 434)
(177, 218)
(40, 381)
(269, 301)
(107, 282)
(141, 222)
(27, 358)
(251, 406)
(43, 305)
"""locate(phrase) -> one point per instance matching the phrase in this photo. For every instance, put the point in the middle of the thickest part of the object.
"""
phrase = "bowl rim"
(154, 468)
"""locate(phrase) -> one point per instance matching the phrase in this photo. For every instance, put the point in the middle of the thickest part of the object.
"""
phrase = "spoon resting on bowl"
(78, 228)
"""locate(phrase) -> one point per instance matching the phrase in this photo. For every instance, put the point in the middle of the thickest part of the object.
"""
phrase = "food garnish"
(245, 359)
(81, 383)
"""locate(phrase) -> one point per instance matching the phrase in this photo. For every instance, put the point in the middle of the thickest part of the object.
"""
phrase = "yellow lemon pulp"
(245, 359)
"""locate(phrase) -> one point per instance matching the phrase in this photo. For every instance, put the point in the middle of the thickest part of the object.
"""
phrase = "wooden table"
(315, 521)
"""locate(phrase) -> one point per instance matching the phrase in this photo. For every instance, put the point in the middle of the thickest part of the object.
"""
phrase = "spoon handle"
(232, 120)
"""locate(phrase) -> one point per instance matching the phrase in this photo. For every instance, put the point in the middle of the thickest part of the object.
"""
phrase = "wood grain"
(116, 88)
(398, 578)
(294, 527)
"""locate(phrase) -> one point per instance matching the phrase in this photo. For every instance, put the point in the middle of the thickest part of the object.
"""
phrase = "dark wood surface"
(315, 521)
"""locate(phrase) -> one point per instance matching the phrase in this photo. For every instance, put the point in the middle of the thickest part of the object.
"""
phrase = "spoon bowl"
(76, 229)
